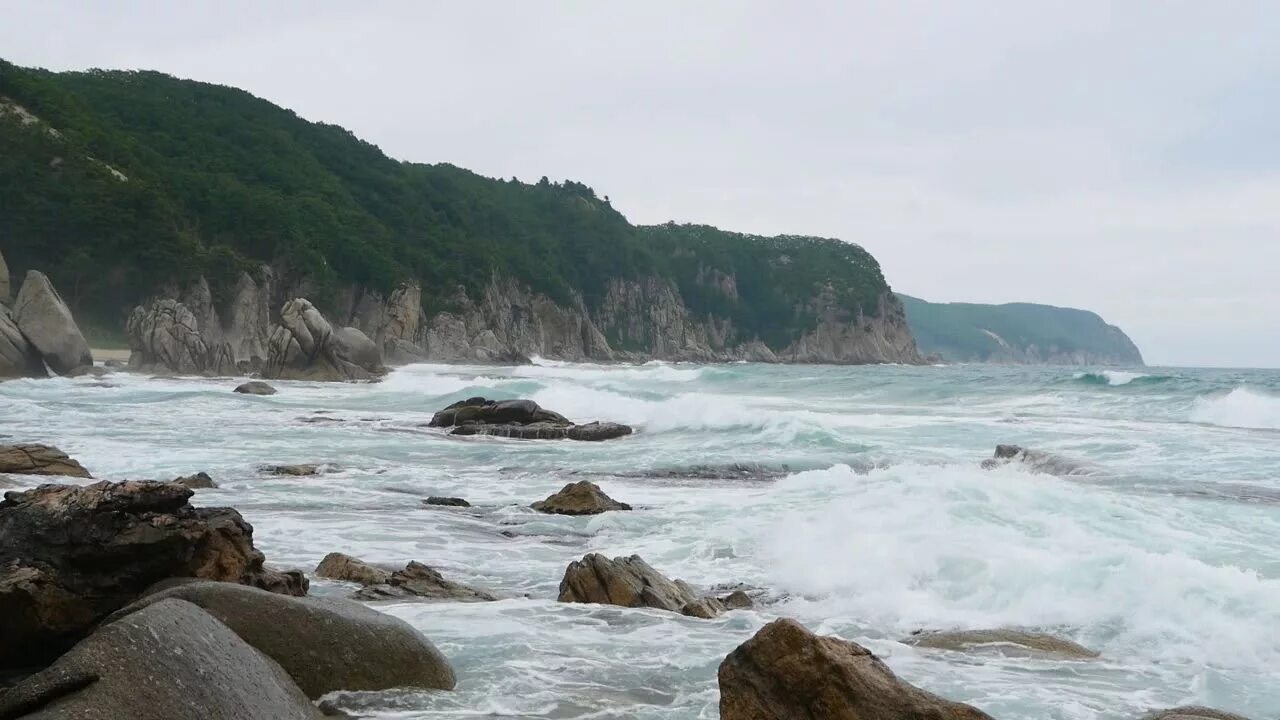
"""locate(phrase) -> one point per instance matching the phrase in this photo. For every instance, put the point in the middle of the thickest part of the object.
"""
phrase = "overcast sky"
(1121, 157)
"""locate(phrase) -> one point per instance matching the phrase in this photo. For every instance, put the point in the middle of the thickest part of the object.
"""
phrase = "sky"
(1119, 157)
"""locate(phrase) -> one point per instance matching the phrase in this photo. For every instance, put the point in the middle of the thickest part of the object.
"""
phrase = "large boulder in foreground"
(46, 321)
(306, 346)
(1003, 639)
(165, 337)
(521, 419)
(581, 498)
(325, 644)
(786, 672)
(35, 459)
(170, 660)
(631, 582)
(18, 357)
(420, 581)
(69, 556)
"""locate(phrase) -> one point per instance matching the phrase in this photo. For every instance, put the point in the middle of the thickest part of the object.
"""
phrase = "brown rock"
(1193, 712)
(631, 582)
(581, 498)
(418, 580)
(199, 481)
(71, 555)
(1022, 640)
(737, 600)
(786, 672)
(34, 459)
(337, 566)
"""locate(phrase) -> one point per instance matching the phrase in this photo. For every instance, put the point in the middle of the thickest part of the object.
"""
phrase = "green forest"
(116, 182)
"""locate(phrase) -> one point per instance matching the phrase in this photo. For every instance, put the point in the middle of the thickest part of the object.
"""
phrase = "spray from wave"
(1116, 378)
(1240, 408)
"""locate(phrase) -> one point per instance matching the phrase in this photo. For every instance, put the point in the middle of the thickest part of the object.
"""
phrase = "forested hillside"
(1017, 333)
(117, 182)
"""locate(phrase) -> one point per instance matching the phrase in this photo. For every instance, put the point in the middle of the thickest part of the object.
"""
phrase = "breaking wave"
(1240, 408)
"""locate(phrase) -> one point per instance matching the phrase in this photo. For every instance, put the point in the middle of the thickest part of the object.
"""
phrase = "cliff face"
(1018, 333)
(637, 320)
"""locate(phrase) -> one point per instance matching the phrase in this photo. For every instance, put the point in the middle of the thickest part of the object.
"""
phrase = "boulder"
(305, 346)
(446, 501)
(1001, 638)
(418, 580)
(199, 481)
(18, 357)
(598, 431)
(786, 672)
(737, 600)
(337, 566)
(166, 337)
(169, 660)
(1035, 460)
(1192, 712)
(46, 322)
(581, 498)
(35, 459)
(255, 387)
(70, 555)
(520, 419)
(325, 644)
(301, 470)
(631, 582)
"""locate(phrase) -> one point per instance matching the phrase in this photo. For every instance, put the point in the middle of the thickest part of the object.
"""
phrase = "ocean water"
(1162, 554)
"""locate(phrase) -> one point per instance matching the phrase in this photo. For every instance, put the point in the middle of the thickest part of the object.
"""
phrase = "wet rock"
(87, 371)
(631, 582)
(325, 644)
(446, 501)
(301, 470)
(170, 660)
(165, 337)
(598, 431)
(35, 459)
(1000, 638)
(581, 498)
(520, 419)
(1035, 461)
(732, 471)
(737, 600)
(338, 566)
(418, 580)
(199, 481)
(255, 387)
(532, 431)
(46, 322)
(18, 357)
(786, 672)
(305, 346)
(70, 555)
(1193, 712)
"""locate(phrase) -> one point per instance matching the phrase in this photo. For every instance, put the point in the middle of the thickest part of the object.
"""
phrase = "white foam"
(1242, 408)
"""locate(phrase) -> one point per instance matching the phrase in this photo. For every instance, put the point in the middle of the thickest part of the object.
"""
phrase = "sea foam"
(1241, 408)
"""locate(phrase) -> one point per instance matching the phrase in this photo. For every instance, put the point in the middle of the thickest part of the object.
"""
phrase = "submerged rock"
(255, 387)
(521, 419)
(325, 644)
(169, 660)
(199, 481)
(446, 501)
(786, 672)
(36, 459)
(1193, 712)
(631, 582)
(46, 322)
(1036, 643)
(305, 346)
(71, 555)
(581, 498)
(418, 580)
(339, 566)
(1035, 461)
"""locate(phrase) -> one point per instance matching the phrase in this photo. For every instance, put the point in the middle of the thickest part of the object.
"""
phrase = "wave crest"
(1240, 408)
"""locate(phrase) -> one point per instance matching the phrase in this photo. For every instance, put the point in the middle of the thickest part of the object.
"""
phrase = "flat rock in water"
(167, 661)
(325, 644)
(631, 582)
(519, 419)
(598, 431)
(301, 470)
(421, 581)
(199, 481)
(35, 459)
(255, 387)
(339, 566)
(1193, 712)
(446, 501)
(1032, 642)
(581, 498)
(786, 672)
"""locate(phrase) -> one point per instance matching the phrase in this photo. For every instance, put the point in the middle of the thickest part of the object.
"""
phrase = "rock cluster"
(632, 582)
(166, 337)
(305, 346)
(415, 580)
(786, 672)
(35, 459)
(522, 419)
(39, 331)
(581, 498)
(71, 555)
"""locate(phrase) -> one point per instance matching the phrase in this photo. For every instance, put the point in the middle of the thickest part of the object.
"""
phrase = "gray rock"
(4, 281)
(46, 321)
(581, 498)
(598, 431)
(199, 481)
(737, 600)
(1193, 712)
(87, 371)
(305, 346)
(325, 644)
(420, 581)
(255, 387)
(18, 357)
(166, 337)
(1002, 639)
(167, 661)
(631, 582)
(1036, 461)
(338, 566)
(446, 501)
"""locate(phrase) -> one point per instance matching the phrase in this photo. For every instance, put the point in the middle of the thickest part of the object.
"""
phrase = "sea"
(852, 499)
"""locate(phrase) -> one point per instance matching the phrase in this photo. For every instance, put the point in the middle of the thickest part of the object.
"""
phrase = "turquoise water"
(1162, 555)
